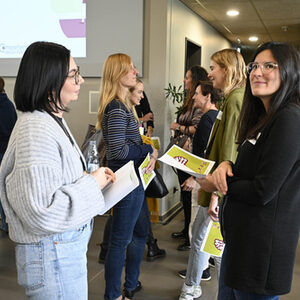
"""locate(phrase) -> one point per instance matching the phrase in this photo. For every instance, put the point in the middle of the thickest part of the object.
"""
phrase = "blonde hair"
(131, 90)
(235, 69)
(115, 67)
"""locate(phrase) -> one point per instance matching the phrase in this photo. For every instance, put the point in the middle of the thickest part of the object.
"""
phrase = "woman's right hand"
(104, 176)
(213, 209)
(219, 176)
(151, 165)
(189, 184)
(148, 117)
(154, 153)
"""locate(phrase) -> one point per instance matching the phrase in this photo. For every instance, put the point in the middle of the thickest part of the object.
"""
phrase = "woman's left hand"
(207, 183)
(220, 176)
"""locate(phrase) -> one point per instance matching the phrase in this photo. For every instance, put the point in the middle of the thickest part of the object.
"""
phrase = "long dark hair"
(42, 73)
(253, 115)
(198, 74)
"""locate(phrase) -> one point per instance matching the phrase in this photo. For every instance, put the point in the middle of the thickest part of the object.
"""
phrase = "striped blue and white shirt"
(121, 135)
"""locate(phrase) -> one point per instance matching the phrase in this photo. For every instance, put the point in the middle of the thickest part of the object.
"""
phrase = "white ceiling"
(269, 20)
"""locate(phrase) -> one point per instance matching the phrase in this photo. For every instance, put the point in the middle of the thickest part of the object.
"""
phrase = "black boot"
(185, 246)
(102, 254)
(130, 294)
(178, 235)
(153, 251)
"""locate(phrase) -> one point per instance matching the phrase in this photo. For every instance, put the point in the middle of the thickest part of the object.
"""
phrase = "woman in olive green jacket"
(228, 73)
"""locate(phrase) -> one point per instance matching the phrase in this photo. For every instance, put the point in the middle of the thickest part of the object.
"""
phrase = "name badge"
(253, 141)
(219, 116)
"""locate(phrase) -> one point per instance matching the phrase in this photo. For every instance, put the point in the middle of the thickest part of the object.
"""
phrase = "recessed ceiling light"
(232, 13)
(253, 38)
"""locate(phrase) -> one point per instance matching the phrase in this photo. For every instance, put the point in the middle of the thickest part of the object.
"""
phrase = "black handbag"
(157, 187)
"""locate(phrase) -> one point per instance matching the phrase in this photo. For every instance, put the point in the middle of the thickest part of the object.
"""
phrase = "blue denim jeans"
(227, 293)
(56, 267)
(197, 258)
(129, 231)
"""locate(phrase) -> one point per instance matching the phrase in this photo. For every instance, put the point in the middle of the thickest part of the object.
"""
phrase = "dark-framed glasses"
(75, 74)
(266, 67)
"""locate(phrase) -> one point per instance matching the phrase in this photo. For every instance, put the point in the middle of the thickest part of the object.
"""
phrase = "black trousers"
(186, 199)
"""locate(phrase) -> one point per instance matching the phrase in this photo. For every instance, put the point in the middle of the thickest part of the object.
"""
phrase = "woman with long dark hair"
(260, 212)
(186, 124)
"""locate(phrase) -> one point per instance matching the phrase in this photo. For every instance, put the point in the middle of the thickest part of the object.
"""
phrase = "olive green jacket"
(222, 143)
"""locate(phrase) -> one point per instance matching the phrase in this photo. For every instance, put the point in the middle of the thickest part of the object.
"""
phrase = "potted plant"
(176, 95)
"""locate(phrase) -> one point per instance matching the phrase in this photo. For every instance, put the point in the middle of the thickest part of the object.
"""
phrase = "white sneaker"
(197, 291)
(190, 292)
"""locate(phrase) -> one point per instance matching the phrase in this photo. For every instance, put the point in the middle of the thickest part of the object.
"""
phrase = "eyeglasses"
(266, 67)
(75, 75)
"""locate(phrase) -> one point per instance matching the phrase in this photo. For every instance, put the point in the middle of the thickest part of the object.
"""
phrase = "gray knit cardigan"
(43, 189)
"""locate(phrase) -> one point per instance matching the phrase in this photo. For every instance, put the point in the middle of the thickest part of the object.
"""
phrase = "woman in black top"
(186, 124)
(145, 115)
(8, 117)
(260, 213)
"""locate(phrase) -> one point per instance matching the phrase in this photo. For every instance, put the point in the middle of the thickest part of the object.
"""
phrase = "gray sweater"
(42, 186)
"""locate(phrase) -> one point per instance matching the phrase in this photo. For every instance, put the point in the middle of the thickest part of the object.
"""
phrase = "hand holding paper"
(125, 182)
(103, 176)
(146, 177)
(187, 162)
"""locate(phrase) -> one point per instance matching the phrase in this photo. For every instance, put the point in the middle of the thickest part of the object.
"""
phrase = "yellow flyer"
(146, 178)
(156, 142)
(213, 241)
(187, 162)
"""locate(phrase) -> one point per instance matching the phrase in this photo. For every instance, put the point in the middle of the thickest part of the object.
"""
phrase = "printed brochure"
(213, 241)
(183, 160)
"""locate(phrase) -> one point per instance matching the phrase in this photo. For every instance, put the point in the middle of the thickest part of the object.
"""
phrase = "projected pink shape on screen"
(73, 28)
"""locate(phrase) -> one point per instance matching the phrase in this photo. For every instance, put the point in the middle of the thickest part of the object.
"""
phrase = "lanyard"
(61, 124)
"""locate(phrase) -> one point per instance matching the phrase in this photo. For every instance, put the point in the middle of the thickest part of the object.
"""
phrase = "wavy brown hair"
(198, 74)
